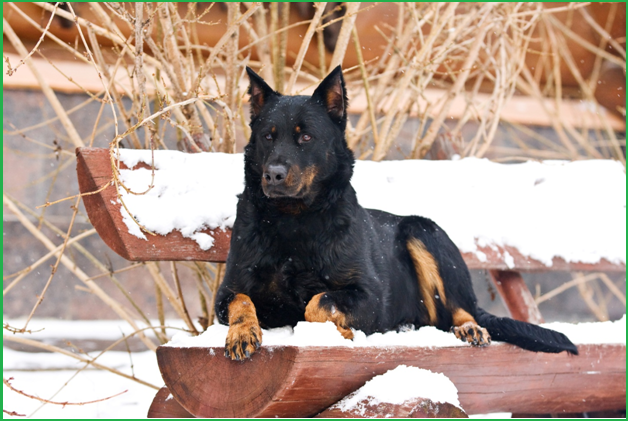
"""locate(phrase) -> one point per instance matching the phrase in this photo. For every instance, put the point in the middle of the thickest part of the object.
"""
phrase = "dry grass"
(184, 88)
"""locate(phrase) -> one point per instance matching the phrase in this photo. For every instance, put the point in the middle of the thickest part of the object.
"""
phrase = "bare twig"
(7, 383)
(296, 68)
(45, 87)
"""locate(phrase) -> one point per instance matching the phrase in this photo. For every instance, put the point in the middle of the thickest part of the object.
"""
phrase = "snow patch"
(191, 193)
(401, 385)
(326, 334)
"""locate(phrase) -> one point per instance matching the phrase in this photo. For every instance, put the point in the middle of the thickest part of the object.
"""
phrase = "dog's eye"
(268, 136)
(305, 138)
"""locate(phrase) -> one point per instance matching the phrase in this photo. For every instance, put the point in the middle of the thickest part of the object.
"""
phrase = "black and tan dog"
(302, 248)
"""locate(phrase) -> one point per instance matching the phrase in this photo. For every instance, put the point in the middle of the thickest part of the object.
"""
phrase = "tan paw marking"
(245, 334)
(472, 333)
(315, 313)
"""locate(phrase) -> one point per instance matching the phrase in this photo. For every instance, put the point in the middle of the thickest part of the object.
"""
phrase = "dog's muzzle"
(274, 182)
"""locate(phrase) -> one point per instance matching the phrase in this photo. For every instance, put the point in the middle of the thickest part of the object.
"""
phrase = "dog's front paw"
(472, 333)
(315, 311)
(245, 335)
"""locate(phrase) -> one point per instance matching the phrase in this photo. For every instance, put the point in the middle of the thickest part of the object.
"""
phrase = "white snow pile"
(574, 210)
(398, 386)
(191, 192)
(326, 334)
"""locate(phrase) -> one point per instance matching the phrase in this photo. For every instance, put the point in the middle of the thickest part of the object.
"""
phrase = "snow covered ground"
(534, 207)
(54, 376)
(45, 374)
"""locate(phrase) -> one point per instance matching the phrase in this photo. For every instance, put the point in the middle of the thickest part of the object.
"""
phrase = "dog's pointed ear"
(333, 94)
(259, 91)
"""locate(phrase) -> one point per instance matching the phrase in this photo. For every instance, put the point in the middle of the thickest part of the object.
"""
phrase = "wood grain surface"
(304, 381)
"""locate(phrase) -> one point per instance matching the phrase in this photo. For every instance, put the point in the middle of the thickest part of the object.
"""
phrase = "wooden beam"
(303, 381)
(516, 295)
(94, 170)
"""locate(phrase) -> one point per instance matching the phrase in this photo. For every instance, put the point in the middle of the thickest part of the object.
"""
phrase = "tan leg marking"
(315, 313)
(245, 334)
(430, 282)
(467, 330)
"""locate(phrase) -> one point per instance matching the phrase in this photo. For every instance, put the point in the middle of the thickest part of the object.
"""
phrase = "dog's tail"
(525, 335)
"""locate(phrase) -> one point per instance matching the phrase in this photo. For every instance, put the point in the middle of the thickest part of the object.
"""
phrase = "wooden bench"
(303, 381)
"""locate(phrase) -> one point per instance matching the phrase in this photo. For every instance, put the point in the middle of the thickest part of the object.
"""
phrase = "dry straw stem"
(296, 68)
(77, 55)
(41, 38)
(176, 303)
(99, 265)
(56, 252)
(603, 33)
(7, 383)
(367, 88)
(582, 279)
(89, 361)
(565, 54)
(589, 292)
(91, 58)
(43, 84)
(432, 131)
(585, 44)
(345, 33)
(205, 68)
(41, 296)
(177, 283)
(263, 47)
(94, 288)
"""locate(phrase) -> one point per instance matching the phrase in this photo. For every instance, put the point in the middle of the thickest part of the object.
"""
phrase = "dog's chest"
(282, 291)
(293, 276)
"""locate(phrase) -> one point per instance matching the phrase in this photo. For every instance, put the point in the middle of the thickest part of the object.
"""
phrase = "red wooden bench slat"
(303, 381)
(94, 170)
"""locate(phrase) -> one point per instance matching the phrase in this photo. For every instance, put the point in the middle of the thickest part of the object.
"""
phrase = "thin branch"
(7, 383)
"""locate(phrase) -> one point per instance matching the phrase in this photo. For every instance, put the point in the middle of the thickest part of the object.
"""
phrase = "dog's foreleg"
(245, 334)
(321, 309)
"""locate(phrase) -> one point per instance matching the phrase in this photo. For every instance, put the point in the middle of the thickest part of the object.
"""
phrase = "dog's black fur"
(302, 248)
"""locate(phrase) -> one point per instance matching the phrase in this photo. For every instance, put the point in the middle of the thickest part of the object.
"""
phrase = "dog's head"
(297, 150)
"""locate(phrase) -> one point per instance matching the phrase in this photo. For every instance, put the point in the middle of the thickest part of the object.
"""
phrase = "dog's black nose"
(275, 174)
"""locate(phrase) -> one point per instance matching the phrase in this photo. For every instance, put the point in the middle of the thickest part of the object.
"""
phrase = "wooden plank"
(94, 169)
(516, 295)
(509, 258)
(165, 406)
(303, 381)
(104, 212)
